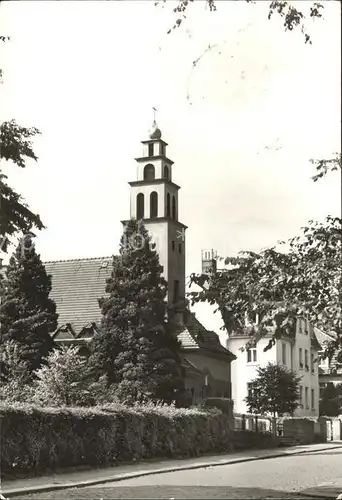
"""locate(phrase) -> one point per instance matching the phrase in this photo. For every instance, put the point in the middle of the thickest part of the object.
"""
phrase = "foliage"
(135, 347)
(275, 391)
(14, 375)
(325, 166)
(16, 147)
(280, 286)
(27, 314)
(65, 381)
(38, 439)
(292, 16)
(330, 403)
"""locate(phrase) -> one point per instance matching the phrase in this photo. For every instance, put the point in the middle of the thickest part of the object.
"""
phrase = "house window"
(173, 246)
(312, 399)
(312, 363)
(149, 172)
(322, 387)
(150, 149)
(283, 353)
(301, 396)
(251, 355)
(173, 207)
(306, 397)
(154, 205)
(249, 390)
(175, 291)
(306, 360)
(179, 247)
(301, 358)
(140, 206)
(323, 363)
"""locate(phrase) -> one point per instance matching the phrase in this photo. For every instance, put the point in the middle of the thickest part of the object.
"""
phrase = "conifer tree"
(27, 314)
(135, 347)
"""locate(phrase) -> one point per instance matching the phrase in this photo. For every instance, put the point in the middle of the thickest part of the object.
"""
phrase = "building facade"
(298, 353)
(330, 369)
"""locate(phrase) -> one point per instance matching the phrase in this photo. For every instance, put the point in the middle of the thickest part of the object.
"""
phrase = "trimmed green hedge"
(40, 439)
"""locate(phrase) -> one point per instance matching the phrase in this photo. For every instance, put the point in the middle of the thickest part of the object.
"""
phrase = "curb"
(132, 475)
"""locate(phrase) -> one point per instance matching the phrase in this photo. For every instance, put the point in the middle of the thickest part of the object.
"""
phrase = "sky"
(242, 122)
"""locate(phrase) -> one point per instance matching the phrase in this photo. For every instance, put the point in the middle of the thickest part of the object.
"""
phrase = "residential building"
(297, 352)
(330, 368)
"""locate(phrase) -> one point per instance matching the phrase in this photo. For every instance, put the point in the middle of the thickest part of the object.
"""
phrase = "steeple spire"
(155, 132)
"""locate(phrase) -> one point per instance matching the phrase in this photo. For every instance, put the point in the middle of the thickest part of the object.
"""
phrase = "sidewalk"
(326, 490)
(92, 477)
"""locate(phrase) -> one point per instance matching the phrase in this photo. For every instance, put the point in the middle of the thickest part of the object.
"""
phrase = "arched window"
(173, 207)
(149, 172)
(166, 173)
(140, 206)
(154, 204)
(168, 205)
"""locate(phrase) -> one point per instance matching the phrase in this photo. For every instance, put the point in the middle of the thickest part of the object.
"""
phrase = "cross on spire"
(154, 114)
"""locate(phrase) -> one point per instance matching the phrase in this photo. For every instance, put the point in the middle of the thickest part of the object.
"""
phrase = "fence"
(254, 423)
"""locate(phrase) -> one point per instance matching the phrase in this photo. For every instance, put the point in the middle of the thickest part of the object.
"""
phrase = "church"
(78, 284)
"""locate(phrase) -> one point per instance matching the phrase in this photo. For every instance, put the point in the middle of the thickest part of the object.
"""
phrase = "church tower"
(154, 200)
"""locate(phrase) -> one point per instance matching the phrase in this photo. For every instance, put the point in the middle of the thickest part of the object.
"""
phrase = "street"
(283, 477)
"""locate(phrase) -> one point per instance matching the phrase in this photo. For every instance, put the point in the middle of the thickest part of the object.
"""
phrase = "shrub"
(40, 439)
(65, 380)
(14, 374)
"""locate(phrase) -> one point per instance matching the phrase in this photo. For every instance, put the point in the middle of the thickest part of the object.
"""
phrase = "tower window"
(154, 204)
(179, 247)
(168, 205)
(149, 172)
(162, 149)
(166, 172)
(175, 291)
(173, 246)
(150, 149)
(173, 207)
(140, 206)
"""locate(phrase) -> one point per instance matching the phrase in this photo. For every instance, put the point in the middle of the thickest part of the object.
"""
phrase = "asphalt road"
(284, 477)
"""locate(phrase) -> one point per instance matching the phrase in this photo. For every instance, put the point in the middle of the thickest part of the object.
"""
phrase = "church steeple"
(154, 199)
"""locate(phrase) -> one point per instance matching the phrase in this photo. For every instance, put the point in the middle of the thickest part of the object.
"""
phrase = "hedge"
(41, 439)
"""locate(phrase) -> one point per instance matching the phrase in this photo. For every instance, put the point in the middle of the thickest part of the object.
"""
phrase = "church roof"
(76, 287)
(78, 284)
(195, 336)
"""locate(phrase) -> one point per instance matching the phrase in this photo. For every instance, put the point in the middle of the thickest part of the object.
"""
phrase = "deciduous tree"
(16, 148)
(293, 17)
(303, 277)
(275, 391)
